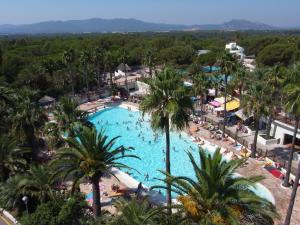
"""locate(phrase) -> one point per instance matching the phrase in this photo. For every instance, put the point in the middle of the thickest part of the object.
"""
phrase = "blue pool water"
(207, 69)
(135, 131)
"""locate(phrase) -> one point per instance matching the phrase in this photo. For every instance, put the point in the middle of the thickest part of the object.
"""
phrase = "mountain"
(97, 25)
(245, 25)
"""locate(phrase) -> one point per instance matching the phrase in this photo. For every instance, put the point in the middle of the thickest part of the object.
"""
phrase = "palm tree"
(27, 118)
(98, 59)
(201, 84)
(124, 59)
(69, 117)
(110, 64)
(256, 102)
(69, 59)
(37, 183)
(89, 155)
(149, 60)
(85, 59)
(291, 92)
(228, 65)
(135, 212)
(293, 197)
(239, 79)
(168, 106)
(218, 195)
(273, 81)
(11, 157)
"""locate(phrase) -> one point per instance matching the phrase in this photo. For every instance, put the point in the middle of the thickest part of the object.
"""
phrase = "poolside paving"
(255, 168)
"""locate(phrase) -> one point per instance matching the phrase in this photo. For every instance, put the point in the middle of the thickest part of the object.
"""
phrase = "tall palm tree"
(169, 106)
(217, 195)
(110, 63)
(293, 197)
(228, 65)
(69, 117)
(11, 157)
(89, 155)
(149, 59)
(124, 59)
(98, 60)
(273, 81)
(291, 93)
(27, 118)
(201, 83)
(85, 59)
(239, 79)
(256, 102)
(69, 59)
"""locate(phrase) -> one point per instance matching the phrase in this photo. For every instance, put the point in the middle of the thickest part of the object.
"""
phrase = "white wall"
(279, 129)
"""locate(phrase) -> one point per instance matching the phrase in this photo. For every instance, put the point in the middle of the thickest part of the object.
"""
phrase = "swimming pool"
(135, 131)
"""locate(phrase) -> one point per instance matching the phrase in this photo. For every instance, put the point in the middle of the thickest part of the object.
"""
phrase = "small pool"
(135, 131)
(208, 69)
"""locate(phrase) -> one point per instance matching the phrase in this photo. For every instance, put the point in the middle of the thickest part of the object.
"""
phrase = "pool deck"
(253, 168)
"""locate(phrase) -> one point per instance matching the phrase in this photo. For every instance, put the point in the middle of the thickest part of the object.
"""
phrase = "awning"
(215, 104)
(220, 99)
(240, 114)
(231, 105)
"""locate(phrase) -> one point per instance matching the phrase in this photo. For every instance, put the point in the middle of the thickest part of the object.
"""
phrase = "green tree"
(68, 117)
(256, 102)
(37, 183)
(27, 119)
(69, 60)
(89, 155)
(218, 196)
(168, 105)
(291, 93)
(85, 59)
(228, 65)
(149, 60)
(98, 60)
(201, 83)
(11, 157)
(135, 212)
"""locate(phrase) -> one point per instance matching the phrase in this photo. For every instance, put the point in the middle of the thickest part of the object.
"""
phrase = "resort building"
(236, 49)
(122, 69)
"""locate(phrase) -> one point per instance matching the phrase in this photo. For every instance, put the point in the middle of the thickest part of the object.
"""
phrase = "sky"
(273, 12)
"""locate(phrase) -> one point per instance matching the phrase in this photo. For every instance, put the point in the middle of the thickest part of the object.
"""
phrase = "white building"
(233, 48)
(122, 69)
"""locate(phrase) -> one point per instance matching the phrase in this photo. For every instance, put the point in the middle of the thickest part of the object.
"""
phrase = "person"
(146, 176)
(292, 182)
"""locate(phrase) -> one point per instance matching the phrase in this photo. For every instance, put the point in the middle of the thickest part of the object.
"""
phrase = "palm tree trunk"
(96, 197)
(288, 169)
(292, 199)
(225, 110)
(253, 149)
(111, 82)
(168, 165)
(72, 80)
(126, 82)
(201, 106)
(150, 70)
(87, 83)
(270, 120)
(241, 95)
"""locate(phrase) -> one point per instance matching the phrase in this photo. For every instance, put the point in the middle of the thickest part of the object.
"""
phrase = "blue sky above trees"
(274, 12)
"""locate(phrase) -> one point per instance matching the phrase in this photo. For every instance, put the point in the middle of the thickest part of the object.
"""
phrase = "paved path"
(4, 221)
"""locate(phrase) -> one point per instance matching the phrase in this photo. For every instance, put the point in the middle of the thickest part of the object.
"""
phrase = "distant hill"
(97, 25)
